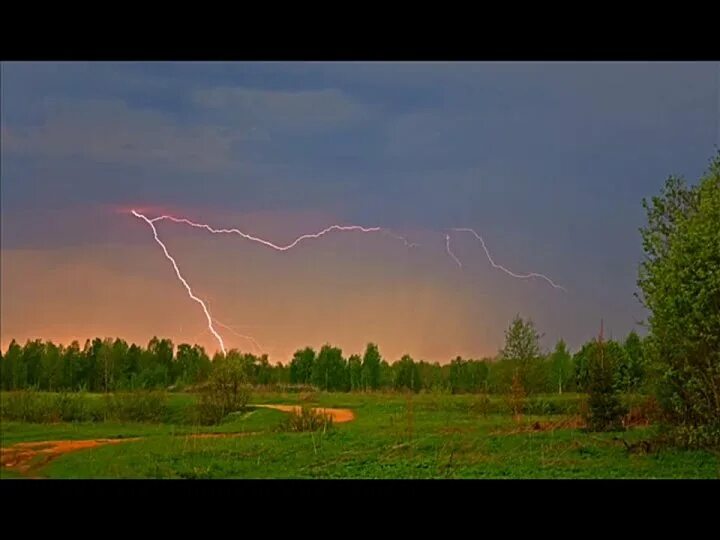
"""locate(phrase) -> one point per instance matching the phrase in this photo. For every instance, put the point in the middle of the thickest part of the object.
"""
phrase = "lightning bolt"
(252, 340)
(267, 242)
(277, 247)
(247, 236)
(447, 248)
(498, 266)
(151, 223)
(401, 238)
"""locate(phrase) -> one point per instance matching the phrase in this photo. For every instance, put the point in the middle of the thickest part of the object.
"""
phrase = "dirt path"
(339, 416)
(21, 456)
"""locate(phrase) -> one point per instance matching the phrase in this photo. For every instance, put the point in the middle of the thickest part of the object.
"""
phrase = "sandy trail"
(21, 456)
(339, 416)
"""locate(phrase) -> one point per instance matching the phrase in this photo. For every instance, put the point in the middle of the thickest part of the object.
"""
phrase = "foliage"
(516, 397)
(605, 410)
(407, 375)
(137, 406)
(561, 368)
(301, 366)
(46, 407)
(112, 366)
(305, 418)
(371, 367)
(522, 350)
(329, 371)
(680, 284)
(226, 391)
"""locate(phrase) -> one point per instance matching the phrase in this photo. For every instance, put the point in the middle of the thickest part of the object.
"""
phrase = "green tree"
(227, 390)
(612, 351)
(431, 375)
(386, 375)
(522, 349)
(32, 357)
(264, 371)
(51, 367)
(11, 367)
(407, 374)
(680, 284)
(631, 373)
(355, 372)
(193, 364)
(71, 366)
(132, 366)
(605, 411)
(561, 367)
(330, 371)
(301, 366)
(162, 353)
(371, 367)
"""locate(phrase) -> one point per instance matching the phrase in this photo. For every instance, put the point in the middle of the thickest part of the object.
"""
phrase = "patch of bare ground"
(27, 457)
(339, 416)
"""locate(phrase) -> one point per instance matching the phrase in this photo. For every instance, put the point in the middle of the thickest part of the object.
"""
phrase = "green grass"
(444, 437)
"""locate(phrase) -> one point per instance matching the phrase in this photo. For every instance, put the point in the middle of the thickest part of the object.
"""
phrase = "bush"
(138, 406)
(225, 393)
(46, 408)
(541, 407)
(515, 399)
(27, 406)
(74, 407)
(307, 419)
(481, 404)
(680, 285)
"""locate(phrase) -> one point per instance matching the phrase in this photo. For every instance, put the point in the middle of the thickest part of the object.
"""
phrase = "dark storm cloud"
(549, 160)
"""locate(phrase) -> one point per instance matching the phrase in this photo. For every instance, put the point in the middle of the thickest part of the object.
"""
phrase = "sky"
(548, 162)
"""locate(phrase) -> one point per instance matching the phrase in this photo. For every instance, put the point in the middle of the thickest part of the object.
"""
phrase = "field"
(390, 436)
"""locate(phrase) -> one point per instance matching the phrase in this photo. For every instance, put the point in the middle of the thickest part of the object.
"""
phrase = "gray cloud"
(110, 131)
(303, 111)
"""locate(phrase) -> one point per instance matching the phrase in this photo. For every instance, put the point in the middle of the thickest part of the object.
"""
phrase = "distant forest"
(106, 365)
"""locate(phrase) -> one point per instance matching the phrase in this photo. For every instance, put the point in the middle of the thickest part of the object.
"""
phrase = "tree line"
(106, 365)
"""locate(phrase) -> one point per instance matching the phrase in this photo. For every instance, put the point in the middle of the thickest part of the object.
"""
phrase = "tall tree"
(355, 372)
(407, 374)
(522, 348)
(11, 368)
(329, 371)
(680, 284)
(561, 366)
(301, 366)
(632, 370)
(371, 367)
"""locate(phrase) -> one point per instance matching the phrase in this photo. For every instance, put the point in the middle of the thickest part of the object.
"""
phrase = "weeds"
(307, 419)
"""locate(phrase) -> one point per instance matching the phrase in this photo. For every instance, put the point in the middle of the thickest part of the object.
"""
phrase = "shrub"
(78, 407)
(605, 410)
(541, 407)
(225, 393)
(26, 406)
(45, 408)
(680, 285)
(481, 404)
(515, 400)
(307, 419)
(138, 406)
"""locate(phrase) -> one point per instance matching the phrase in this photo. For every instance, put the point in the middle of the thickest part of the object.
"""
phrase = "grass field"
(391, 436)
